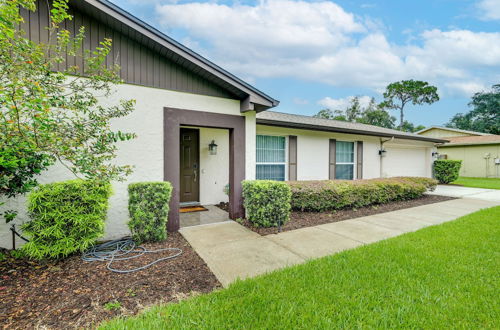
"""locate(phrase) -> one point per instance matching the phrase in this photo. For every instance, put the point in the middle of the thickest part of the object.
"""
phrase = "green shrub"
(447, 170)
(66, 217)
(267, 203)
(331, 195)
(148, 209)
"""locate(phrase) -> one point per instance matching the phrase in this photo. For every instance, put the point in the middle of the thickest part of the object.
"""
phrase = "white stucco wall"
(214, 169)
(145, 153)
(313, 154)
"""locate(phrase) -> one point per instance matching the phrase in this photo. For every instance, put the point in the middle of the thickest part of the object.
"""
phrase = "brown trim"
(277, 123)
(359, 160)
(332, 158)
(172, 120)
(292, 158)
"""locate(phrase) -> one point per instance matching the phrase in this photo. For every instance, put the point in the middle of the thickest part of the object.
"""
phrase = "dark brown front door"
(190, 165)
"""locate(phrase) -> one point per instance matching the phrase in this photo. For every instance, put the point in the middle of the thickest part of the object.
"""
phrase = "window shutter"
(332, 160)
(292, 158)
(359, 163)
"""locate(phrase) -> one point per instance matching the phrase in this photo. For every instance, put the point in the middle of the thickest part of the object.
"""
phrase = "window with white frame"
(271, 157)
(344, 160)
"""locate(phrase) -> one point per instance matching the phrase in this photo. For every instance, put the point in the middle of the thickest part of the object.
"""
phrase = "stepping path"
(232, 251)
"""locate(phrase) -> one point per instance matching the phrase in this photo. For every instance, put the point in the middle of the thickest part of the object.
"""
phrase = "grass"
(488, 183)
(444, 276)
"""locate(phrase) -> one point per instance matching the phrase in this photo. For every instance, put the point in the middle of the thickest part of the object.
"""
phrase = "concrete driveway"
(232, 251)
(461, 192)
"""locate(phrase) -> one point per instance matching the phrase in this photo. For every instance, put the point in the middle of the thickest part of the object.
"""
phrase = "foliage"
(48, 113)
(329, 195)
(372, 114)
(401, 93)
(439, 277)
(113, 305)
(485, 115)
(409, 127)
(148, 208)
(19, 164)
(447, 170)
(66, 217)
(487, 183)
(267, 203)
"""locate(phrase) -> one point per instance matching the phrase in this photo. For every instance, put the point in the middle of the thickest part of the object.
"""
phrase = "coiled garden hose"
(121, 249)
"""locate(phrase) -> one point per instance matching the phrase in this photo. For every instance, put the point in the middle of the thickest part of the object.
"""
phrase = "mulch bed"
(71, 293)
(308, 219)
(223, 206)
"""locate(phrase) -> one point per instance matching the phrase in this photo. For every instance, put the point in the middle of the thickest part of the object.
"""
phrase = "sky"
(312, 55)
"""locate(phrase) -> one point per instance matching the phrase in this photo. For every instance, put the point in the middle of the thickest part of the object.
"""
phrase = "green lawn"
(445, 276)
(489, 183)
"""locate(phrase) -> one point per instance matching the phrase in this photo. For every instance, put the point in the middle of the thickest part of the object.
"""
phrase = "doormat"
(197, 208)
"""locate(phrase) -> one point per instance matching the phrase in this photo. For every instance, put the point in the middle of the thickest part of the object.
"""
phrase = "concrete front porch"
(213, 215)
(232, 251)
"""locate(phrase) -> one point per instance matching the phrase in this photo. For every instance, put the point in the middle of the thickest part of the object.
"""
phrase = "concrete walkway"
(233, 251)
(466, 192)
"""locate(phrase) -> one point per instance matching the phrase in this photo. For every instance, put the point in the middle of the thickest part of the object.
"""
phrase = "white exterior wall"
(313, 154)
(214, 169)
(145, 152)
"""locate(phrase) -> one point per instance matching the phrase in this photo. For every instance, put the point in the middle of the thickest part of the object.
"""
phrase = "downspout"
(381, 153)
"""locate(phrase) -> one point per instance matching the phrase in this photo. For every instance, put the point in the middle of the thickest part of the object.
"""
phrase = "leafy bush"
(447, 170)
(66, 217)
(148, 209)
(267, 203)
(338, 194)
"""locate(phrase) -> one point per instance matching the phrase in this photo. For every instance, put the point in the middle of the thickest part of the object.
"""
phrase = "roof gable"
(146, 56)
(451, 130)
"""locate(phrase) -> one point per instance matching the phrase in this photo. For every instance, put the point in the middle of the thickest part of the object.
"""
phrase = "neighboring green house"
(479, 152)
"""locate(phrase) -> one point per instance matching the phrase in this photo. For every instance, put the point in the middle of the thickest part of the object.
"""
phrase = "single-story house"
(479, 152)
(203, 129)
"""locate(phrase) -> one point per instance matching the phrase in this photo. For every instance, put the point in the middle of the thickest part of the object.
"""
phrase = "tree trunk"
(401, 119)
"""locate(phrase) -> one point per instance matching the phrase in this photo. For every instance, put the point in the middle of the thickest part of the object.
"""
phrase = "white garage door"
(405, 162)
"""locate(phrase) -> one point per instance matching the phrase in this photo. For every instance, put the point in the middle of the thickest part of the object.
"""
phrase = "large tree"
(401, 93)
(48, 115)
(485, 115)
(372, 114)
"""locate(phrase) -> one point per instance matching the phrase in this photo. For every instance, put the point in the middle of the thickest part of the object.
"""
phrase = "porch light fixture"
(212, 148)
(435, 154)
(382, 152)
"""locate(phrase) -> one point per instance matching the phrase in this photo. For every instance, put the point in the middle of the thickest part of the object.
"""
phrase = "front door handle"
(195, 172)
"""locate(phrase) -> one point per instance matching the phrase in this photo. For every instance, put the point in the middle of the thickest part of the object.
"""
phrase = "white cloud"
(343, 103)
(321, 42)
(490, 9)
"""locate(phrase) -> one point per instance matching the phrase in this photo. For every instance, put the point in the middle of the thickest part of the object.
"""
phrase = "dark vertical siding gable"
(139, 64)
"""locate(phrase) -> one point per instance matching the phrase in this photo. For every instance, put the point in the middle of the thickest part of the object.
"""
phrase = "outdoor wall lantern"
(382, 152)
(435, 154)
(212, 148)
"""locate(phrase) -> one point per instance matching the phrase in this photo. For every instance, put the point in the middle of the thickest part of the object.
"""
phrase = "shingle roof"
(471, 140)
(451, 130)
(274, 118)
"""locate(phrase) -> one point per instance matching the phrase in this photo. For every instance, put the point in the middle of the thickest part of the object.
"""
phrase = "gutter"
(277, 123)
(446, 145)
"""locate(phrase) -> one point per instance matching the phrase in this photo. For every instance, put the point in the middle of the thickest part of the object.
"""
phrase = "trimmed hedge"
(318, 196)
(148, 209)
(447, 170)
(66, 217)
(267, 203)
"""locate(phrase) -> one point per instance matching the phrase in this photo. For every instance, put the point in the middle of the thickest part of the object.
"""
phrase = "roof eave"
(468, 144)
(133, 22)
(279, 123)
